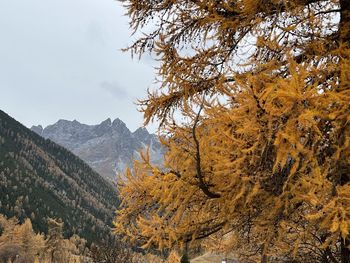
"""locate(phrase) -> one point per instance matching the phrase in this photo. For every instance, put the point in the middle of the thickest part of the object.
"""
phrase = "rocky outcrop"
(108, 147)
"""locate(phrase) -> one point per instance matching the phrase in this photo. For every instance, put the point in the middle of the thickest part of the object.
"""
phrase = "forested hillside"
(39, 179)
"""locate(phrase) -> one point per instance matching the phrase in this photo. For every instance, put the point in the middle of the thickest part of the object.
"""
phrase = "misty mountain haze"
(108, 147)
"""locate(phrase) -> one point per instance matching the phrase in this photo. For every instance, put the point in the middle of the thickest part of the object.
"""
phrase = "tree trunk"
(344, 41)
(345, 252)
(344, 26)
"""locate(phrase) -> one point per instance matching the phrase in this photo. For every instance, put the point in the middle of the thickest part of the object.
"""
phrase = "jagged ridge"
(107, 147)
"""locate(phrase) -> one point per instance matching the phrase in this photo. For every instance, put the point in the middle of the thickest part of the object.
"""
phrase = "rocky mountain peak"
(37, 129)
(62, 122)
(65, 125)
(108, 147)
(106, 123)
(142, 134)
(100, 129)
(118, 123)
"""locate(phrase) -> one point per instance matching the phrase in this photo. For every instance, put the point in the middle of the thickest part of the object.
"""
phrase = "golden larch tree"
(254, 107)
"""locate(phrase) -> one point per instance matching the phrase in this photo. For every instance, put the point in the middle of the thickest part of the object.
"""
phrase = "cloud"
(115, 90)
(95, 33)
(62, 59)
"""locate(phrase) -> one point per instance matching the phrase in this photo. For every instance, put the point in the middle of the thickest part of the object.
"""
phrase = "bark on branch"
(202, 185)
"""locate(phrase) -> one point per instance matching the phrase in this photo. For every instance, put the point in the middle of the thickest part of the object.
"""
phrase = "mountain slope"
(107, 147)
(40, 179)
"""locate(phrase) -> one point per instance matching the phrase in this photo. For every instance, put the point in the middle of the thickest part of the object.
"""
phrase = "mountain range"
(40, 179)
(108, 147)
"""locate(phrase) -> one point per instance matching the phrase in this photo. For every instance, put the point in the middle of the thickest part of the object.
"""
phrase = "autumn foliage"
(20, 244)
(254, 106)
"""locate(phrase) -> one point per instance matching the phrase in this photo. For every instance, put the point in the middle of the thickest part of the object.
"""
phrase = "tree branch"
(202, 185)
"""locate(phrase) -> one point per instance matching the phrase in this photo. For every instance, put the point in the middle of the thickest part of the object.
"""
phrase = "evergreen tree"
(259, 162)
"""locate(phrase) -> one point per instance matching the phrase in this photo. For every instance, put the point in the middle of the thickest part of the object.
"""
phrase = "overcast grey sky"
(61, 59)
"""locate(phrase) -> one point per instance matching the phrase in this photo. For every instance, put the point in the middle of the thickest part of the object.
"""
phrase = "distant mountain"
(108, 147)
(40, 179)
